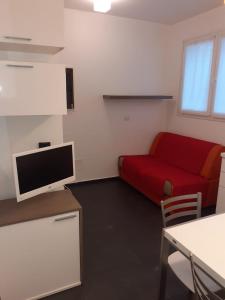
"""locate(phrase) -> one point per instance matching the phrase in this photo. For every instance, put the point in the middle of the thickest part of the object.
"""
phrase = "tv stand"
(40, 246)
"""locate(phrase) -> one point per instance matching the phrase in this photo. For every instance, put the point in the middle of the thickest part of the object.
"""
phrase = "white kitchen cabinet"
(220, 205)
(28, 88)
(32, 25)
(40, 257)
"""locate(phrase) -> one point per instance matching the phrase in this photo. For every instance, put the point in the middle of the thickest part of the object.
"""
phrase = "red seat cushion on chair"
(148, 173)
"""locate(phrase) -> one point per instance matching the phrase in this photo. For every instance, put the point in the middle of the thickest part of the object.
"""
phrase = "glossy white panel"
(28, 88)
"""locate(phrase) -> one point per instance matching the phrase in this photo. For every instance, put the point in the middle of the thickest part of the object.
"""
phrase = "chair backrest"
(181, 206)
(201, 289)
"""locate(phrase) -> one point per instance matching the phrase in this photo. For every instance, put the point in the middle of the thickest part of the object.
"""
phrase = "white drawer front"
(220, 206)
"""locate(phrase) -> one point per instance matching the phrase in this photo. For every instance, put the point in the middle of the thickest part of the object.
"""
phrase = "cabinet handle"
(65, 218)
(20, 66)
(17, 38)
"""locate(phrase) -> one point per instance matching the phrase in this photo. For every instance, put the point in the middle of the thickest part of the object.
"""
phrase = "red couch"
(176, 165)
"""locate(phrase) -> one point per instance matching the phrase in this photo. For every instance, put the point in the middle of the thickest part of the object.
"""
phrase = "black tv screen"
(37, 170)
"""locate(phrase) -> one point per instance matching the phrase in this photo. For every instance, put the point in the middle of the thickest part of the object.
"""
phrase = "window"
(203, 93)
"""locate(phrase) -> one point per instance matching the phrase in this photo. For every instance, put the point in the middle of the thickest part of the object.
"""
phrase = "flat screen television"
(42, 170)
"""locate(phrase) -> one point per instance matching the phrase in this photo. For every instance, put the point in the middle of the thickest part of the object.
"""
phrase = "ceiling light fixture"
(102, 5)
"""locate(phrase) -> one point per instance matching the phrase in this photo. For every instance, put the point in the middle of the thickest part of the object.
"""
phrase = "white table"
(205, 239)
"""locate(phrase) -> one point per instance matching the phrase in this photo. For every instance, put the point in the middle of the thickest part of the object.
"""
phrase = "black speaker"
(69, 88)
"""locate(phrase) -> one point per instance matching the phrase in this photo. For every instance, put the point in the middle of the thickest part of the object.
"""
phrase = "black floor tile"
(122, 232)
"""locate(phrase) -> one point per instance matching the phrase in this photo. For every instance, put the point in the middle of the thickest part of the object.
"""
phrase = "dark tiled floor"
(122, 232)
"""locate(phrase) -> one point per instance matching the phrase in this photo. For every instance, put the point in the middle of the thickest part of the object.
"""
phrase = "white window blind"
(198, 59)
(219, 101)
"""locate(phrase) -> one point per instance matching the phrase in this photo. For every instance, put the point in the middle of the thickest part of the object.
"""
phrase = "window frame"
(217, 43)
(219, 37)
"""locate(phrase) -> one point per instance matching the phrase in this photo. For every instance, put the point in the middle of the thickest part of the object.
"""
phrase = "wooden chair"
(201, 280)
(174, 209)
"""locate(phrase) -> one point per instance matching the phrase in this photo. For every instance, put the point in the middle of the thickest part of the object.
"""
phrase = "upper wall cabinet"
(32, 89)
(32, 25)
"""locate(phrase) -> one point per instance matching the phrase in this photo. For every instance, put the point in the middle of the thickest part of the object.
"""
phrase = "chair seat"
(181, 266)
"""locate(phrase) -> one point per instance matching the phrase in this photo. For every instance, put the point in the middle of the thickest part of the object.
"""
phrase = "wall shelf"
(140, 97)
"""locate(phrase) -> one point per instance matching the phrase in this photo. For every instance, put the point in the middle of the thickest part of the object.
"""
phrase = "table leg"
(165, 245)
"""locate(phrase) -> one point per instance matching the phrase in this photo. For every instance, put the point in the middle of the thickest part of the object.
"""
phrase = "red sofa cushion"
(149, 173)
(183, 152)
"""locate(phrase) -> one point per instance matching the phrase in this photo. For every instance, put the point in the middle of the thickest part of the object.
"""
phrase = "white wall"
(198, 26)
(113, 55)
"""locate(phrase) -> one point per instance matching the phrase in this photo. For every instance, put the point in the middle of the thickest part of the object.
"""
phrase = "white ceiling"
(162, 11)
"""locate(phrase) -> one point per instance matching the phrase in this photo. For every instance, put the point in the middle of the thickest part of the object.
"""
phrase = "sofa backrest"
(190, 154)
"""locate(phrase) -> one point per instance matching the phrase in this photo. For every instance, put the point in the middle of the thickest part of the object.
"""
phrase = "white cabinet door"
(32, 22)
(39, 257)
(32, 89)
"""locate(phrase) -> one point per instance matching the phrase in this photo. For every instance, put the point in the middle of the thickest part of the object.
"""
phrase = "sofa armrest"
(211, 168)
(155, 142)
(120, 162)
(168, 188)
